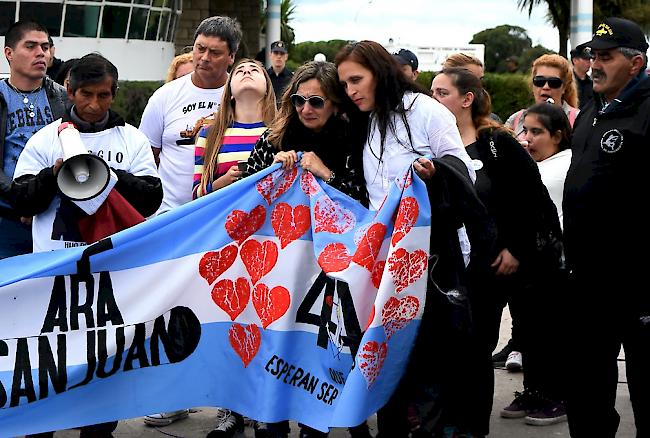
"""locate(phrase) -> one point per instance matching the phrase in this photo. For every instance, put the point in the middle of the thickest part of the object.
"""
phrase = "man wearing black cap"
(581, 61)
(606, 236)
(409, 63)
(279, 73)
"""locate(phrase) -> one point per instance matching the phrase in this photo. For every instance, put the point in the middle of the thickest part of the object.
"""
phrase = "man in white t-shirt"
(174, 109)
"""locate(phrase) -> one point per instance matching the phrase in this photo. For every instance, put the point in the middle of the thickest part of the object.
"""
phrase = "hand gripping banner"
(277, 297)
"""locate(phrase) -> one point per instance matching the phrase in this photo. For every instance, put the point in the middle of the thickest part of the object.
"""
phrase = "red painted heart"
(289, 223)
(232, 297)
(406, 218)
(259, 258)
(241, 225)
(215, 263)
(369, 246)
(245, 341)
(334, 258)
(398, 312)
(331, 217)
(405, 180)
(270, 304)
(406, 267)
(377, 272)
(371, 360)
(272, 186)
(308, 184)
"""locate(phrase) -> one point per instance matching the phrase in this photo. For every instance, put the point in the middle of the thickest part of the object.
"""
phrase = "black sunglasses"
(552, 81)
(316, 102)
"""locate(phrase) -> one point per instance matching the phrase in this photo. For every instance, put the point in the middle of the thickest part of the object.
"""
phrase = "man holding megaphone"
(86, 167)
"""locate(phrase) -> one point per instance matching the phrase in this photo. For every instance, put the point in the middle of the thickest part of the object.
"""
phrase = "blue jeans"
(15, 238)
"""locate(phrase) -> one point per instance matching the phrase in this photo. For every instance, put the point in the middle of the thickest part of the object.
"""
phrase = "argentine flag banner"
(278, 297)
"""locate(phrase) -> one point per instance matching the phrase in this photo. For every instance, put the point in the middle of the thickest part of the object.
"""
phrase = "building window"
(47, 14)
(138, 23)
(114, 22)
(152, 25)
(7, 16)
(81, 21)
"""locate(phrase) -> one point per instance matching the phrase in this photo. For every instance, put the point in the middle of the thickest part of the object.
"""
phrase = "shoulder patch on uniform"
(611, 141)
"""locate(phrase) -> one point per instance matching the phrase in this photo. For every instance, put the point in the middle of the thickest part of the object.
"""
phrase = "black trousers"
(605, 315)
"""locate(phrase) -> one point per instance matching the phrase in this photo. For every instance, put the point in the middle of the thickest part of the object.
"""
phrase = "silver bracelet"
(331, 178)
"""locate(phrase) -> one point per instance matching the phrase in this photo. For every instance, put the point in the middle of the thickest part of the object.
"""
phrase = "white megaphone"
(82, 175)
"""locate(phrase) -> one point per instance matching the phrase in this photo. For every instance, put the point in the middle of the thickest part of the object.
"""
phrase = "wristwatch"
(331, 178)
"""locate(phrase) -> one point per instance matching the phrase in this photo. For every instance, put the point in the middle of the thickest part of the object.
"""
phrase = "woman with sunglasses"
(405, 127)
(552, 81)
(313, 119)
(506, 181)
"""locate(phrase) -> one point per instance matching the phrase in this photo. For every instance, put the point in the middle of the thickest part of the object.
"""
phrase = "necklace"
(29, 106)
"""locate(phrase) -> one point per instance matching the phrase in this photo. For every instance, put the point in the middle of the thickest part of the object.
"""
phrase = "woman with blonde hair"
(247, 108)
(551, 81)
(180, 66)
(469, 62)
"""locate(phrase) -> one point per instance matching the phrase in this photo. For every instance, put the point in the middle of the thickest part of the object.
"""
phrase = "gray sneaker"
(166, 418)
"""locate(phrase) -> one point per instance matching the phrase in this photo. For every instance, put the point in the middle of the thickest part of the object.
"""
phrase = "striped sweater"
(238, 142)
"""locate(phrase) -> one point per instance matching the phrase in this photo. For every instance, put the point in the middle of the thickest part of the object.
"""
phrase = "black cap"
(617, 32)
(576, 54)
(279, 46)
(404, 57)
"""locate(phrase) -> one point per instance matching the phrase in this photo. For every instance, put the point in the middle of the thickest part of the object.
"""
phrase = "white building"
(136, 35)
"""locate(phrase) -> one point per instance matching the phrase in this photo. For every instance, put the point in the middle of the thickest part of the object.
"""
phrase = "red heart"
(245, 341)
(334, 258)
(398, 312)
(241, 225)
(369, 246)
(308, 184)
(371, 359)
(406, 218)
(272, 186)
(377, 272)
(331, 217)
(215, 263)
(290, 223)
(231, 297)
(405, 180)
(259, 258)
(270, 305)
(371, 318)
(406, 267)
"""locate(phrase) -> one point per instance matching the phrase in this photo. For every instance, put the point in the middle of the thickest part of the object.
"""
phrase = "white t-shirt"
(553, 171)
(433, 131)
(122, 147)
(173, 109)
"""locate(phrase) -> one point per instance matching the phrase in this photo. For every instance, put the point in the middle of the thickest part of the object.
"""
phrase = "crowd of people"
(539, 213)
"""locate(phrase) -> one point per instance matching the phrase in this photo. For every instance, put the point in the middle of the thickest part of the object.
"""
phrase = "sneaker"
(499, 359)
(229, 424)
(523, 403)
(166, 418)
(272, 430)
(514, 362)
(551, 413)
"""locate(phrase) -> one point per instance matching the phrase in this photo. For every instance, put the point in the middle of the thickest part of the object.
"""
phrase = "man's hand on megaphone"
(57, 165)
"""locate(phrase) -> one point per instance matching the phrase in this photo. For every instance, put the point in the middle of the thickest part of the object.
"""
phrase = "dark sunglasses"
(552, 81)
(316, 102)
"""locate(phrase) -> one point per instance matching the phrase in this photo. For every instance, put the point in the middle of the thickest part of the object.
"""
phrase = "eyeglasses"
(316, 102)
(552, 81)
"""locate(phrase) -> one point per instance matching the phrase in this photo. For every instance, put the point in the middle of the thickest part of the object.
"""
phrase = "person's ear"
(637, 65)
(468, 99)
(556, 138)
(69, 90)
(9, 53)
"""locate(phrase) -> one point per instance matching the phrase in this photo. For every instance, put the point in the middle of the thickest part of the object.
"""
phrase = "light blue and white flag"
(277, 297)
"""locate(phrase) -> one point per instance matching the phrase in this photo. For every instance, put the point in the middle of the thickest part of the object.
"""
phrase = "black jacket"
(58, 100)
(607, 186)
(33, 194)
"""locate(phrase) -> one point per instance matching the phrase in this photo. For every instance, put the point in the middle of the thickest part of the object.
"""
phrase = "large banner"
(278, 297)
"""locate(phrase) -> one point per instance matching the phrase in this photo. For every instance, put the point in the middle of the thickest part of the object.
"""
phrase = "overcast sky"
(415, 22)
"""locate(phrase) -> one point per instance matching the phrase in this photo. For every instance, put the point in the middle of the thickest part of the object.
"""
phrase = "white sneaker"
(514, 361)
(165, 418)
(229, 425)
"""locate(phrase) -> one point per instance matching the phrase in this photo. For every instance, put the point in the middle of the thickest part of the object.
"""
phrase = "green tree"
(305, 51)
(501, 42)
(559, 12)
(287, 11)
(527, 58)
